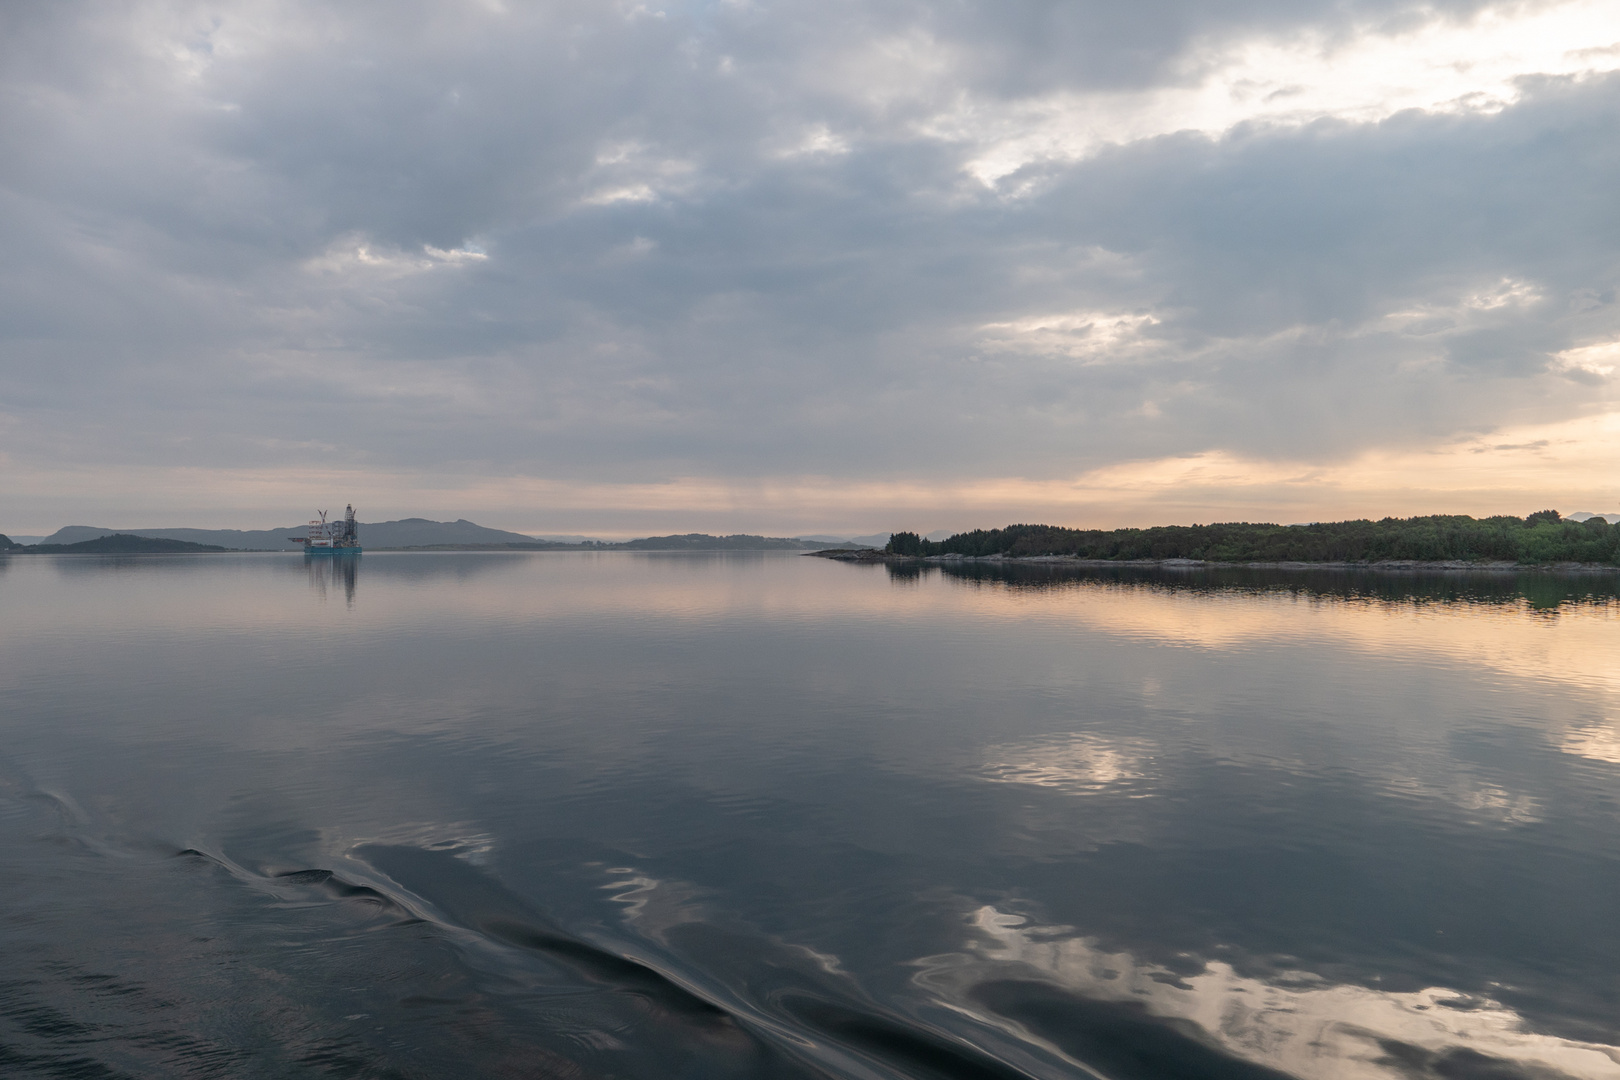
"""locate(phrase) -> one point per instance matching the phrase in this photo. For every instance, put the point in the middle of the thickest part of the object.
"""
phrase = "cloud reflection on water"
(1596, 743)
(1077, 762)
(1297, 1022)
(1480, 801)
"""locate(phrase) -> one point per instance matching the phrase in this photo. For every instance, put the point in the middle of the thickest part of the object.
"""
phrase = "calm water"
(632, 815)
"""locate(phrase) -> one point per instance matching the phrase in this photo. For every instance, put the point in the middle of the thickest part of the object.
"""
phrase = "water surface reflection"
(618, 814)
(342, 573)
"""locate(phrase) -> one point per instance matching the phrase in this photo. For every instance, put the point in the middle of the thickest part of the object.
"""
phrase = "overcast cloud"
(806, 266)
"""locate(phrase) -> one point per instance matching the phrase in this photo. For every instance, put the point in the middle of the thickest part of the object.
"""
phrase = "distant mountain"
(76, 534)
(875, 540)
(407, 532)
(1612, 519)
(420, 532)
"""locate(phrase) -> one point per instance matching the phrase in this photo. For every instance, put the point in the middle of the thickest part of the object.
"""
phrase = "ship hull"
(332, 551)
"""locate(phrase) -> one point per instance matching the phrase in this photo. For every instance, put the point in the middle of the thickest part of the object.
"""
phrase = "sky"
(809, 266)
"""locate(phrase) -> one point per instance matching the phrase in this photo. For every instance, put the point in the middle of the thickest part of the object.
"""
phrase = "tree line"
(1542, 537)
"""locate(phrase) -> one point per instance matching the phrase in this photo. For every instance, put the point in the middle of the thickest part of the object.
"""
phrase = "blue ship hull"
(332, 550)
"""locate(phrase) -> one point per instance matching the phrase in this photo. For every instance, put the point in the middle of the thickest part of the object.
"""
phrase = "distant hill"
(119, 544)
(407, 532)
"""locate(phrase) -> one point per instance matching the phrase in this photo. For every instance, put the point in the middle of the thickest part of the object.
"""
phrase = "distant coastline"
(1542, 540)
(412, 534)
(1395, 566)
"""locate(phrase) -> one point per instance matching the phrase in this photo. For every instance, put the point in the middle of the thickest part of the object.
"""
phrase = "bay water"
(685, 815)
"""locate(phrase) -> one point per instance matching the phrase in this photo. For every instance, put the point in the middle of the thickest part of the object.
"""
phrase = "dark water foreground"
(577, 815)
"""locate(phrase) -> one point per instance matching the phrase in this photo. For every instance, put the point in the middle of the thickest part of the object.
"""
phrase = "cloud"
(1296, 76)
(619, 247)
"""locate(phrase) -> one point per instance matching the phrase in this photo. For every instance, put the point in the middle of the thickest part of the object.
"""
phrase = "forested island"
(1541, 538)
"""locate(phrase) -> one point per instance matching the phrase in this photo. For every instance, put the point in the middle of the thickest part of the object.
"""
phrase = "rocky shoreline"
(872, 555)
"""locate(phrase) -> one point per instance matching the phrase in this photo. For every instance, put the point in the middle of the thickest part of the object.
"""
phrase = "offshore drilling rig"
(331, 538)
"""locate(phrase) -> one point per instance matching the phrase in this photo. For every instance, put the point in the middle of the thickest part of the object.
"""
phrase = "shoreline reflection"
(1539, 590)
